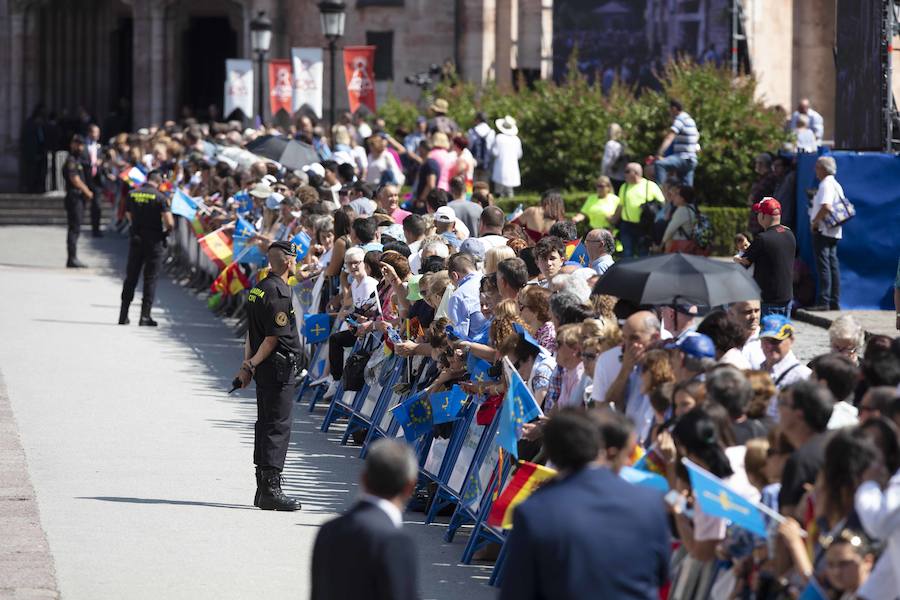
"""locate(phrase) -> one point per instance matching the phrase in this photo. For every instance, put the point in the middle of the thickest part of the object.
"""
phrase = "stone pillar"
(813, 63)
(477, 39)
(770, 30)
(529, 34)
(503, 44)
(149, 60)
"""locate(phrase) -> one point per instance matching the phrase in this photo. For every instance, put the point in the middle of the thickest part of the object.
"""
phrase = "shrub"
(563, 126)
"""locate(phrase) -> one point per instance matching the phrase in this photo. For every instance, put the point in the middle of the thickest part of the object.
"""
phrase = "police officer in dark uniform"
(77, 193)
(151, 221)
(270, 356)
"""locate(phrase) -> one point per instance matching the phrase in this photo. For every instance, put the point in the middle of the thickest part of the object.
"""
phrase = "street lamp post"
(332, 15)
(260, 40)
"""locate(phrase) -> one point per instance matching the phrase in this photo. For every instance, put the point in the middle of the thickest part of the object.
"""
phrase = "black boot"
(146, 321)
(258, 486)
(271, 497)
(123, 314)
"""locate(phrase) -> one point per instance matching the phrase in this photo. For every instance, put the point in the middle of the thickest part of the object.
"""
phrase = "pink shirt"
(446, 161)
(399, 214)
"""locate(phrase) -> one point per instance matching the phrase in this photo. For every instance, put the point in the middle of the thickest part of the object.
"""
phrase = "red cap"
(768, 206)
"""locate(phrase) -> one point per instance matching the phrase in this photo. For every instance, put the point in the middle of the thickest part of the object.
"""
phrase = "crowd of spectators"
(720, 386)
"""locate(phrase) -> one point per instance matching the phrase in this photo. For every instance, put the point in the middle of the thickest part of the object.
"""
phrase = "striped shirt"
(686, 135)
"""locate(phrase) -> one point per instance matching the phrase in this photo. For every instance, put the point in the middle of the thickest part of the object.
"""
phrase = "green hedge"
(726, 221)
(563, 127)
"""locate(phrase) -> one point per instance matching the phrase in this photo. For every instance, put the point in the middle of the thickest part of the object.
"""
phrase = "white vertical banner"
(239, 86)
(308, 70)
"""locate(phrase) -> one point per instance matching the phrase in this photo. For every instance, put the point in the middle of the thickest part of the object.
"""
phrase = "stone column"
(813, 64)
(477, 40)
(149, 60)
(503, 43)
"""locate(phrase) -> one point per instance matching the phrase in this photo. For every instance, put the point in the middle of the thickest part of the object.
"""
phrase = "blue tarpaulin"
(870, 246)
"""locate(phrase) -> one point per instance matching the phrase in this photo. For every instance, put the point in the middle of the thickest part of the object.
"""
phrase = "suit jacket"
(588, 535)
(362, 555)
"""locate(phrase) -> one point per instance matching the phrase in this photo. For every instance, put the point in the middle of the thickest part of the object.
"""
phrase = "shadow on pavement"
(162, 501)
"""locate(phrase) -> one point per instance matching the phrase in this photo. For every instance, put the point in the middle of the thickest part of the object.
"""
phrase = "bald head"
(633, 172)
(643, 321)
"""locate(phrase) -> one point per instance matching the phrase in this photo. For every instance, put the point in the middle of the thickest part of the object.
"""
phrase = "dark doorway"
(208, 41)
(122, 88)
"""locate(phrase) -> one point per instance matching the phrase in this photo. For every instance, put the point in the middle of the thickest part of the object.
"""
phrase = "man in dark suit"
(587, 533)
(365, 553)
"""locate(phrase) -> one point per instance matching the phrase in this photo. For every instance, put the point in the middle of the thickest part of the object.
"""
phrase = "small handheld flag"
(445, 406)
(527, 478)
(316, 328)
(243, 202)
(580, 256)
(247, 251)
(478, 369)
(217, 247)
(519, 407)
(645, 478)
(134, 177)
(717, 499)
(414, 415)
(183, 205)
(243, 227)
(302, 241)
(516, 213)
(231, 281)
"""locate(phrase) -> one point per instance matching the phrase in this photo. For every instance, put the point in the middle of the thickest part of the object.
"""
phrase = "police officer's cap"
(288, 248)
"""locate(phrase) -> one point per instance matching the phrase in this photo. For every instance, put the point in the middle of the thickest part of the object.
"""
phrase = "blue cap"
(694, 344)
(776, 326)
(528, 337)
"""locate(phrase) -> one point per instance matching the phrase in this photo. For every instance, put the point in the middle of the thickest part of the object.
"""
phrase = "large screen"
(859, 97)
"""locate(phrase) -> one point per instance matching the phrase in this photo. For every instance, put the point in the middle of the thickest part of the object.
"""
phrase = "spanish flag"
(217, 246)
(231, 281)
(527, 478)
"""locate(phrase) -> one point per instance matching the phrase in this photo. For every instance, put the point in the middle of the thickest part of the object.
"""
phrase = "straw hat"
(440, 106)
(440, 140)
(507, 125)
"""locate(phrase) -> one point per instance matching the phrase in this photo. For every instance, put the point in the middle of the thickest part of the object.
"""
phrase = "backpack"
(702, 233)
(478, 148)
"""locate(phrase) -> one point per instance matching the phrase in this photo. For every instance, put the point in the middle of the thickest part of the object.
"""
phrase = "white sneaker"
(326, 379)
(332, 388)
(303, 373)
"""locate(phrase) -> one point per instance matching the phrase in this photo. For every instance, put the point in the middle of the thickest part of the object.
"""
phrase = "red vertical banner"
(359, 71)
(281, 86)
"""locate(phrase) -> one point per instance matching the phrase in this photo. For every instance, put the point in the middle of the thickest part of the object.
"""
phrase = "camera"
(424, 79)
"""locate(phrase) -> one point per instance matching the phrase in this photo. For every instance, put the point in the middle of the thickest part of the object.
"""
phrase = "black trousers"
(336, 344)
(274, 415)
(95, 210)
(146, 255)
(74, 216)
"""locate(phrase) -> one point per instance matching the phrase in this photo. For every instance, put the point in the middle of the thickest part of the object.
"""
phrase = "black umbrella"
(290, 153)
(678, 279)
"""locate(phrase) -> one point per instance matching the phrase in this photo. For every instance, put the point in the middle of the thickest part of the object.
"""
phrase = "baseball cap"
(768, 206)
(445, 214)
(316, 168)
(395, 232)
(274, 200)
(778, 327)
(473, 247)
(694, 344)
(261, 190)
(414, 291)
(269, 179)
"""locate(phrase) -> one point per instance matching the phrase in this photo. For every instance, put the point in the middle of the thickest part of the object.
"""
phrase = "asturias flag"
(519, 407)
(527, 478)
(217, 246)
(302, 241)
(580, 256)
(246, 250)
(718, 500)
(414, 414)
(478, 369)
(184, 205)
(446, 406)
(316, 328)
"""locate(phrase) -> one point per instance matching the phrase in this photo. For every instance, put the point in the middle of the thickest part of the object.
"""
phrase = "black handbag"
(354, 377)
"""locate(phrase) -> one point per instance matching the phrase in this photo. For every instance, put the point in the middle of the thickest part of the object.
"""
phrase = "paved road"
(141, 463)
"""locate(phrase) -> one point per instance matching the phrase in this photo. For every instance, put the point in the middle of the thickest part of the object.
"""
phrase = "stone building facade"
(143, 61)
